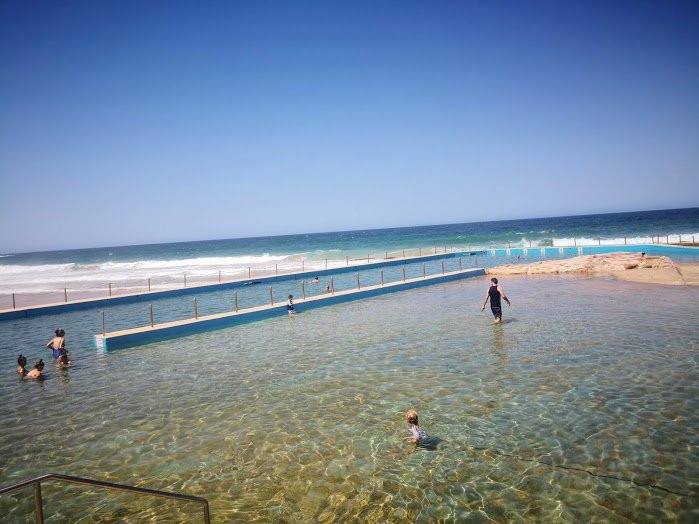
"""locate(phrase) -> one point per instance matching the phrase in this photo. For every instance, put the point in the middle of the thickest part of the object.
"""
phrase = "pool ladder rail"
(38, 501)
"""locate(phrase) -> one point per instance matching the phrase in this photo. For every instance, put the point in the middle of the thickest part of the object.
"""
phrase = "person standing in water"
(494, 293)
(58, 343)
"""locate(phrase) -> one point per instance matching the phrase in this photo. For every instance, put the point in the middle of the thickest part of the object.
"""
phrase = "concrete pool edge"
(170, 330)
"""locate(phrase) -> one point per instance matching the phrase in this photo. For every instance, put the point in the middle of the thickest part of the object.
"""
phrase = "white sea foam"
(585, 241)
(16, 278)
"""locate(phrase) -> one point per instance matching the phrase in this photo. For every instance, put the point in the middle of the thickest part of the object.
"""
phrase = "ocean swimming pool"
(298, 419)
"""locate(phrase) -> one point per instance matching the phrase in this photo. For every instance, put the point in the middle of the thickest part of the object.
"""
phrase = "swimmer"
(328, 289)
(63, 361)
(21, 365)
(315, 280)
(494, 293)
(418, 435)
(36, 372)
(57, 343)
(290, 305)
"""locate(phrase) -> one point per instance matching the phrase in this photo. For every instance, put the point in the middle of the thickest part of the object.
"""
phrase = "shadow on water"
(431, 443)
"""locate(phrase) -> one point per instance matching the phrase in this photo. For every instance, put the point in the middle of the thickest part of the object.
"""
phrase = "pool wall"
(170, 330)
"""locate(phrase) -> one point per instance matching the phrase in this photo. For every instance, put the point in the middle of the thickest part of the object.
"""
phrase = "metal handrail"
(38, 501)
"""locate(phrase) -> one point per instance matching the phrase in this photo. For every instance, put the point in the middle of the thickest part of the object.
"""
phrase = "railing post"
(358, 281)
(276, 269)
(38, 504)
(236, 301)
(419, 251)
(680, 238)
(348, 260)
(271, 296)
(423, 270)
(382, 277)
(575, 242)
(14, 305)
(149, 285)
(403, 273)
(386, 256)
(367, 258)
(599, 241)
(326, 262)
(65, 294)
(332, 285)
(624, 239)
(110, 289)
(508, 244)
(459, 263)
(476, 260)
(403, 253)
(530, 243)
(196, 312)
(150, 312)
(303, 289)
(219, 276)
(442, 267)
(303, 266)
(103, 330)
(445, 249)
(249, 272)
(667, 239)
(185, 280)
(435, 250)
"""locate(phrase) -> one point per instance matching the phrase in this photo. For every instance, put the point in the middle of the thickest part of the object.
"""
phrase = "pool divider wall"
(60, 307)
(170, 330)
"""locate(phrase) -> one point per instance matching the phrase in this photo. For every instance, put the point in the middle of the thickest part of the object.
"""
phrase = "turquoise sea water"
(41, 277)
(582, 406)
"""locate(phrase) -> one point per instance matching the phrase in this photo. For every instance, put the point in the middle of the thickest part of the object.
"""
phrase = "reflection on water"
(570, 413)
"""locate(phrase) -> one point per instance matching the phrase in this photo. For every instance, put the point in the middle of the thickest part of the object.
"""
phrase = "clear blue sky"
(136, 122)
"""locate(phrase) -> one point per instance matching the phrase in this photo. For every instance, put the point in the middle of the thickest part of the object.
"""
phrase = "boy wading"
(494, 293)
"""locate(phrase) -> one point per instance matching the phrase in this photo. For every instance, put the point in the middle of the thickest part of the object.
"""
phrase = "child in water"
(418, 435)
(58, 343)
(63, 361)
(36, 372)
(21, 365)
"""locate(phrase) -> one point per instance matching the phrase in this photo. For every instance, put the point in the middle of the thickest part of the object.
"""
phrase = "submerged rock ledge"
(635, 267)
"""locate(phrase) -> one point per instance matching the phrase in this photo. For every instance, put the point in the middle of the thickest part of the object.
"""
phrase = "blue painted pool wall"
(167, 333)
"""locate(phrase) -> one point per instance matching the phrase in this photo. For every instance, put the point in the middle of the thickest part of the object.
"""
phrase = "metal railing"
(135, 285)
(38, 501)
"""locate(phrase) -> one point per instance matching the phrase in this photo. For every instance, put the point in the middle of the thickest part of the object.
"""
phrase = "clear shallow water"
(298, 419)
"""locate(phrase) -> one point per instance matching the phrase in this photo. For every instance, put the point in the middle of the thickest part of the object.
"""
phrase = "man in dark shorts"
(494, 293)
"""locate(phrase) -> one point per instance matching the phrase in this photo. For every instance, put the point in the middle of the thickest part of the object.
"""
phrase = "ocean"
(88, 272)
